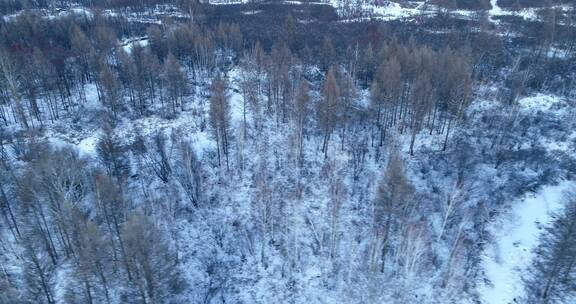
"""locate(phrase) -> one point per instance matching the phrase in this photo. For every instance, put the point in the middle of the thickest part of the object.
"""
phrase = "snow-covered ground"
(495, 10)
(394, 11)
(515, 231)
(384, 10)
(516, 235)
(530, 14)
(155, 15)
(127, 44)
(75, 10)
(390, 10)
(377, 10)
(225, 2)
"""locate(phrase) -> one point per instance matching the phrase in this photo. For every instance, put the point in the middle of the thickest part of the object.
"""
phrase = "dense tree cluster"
(356, 162)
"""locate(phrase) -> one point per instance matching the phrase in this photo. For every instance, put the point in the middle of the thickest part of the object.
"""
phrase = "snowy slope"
(516, 233)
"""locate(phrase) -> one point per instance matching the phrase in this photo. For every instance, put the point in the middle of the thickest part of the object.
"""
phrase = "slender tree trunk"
(9, 208)
(447, 133)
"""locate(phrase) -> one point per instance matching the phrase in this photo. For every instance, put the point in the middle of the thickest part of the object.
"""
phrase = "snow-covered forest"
(234, 151)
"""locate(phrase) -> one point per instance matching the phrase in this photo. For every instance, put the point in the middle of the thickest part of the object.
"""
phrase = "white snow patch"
(236, 98)
(496, 10)
(77, 11)
(538, 102)
(202, 142)
(516, 233)
(530, 13)
(87, 146)
(393, 11)
(251, 12)
(385, 10)
(92, 103)
(307, 3)
(227, 2)
(61, 274)
(557, 52)
(50, 14)
(128, 44)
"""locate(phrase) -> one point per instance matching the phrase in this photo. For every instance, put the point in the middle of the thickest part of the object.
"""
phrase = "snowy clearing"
(516, 233)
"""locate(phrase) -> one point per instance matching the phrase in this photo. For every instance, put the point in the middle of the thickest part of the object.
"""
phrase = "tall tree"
(156, 41)
(289, 32)
(188, 172)
(385, 96)
(37, 274)
(7, 205)
(111, 89)
(151, 261)
(301, 109)
(348, 96)
(112, 209)
(421, 99)
(391, 208)
(220, 117)
(81, 48)
(328, 54)
(111, 154)
(327, 110)
(10, 75)
(456, 90)
(176, 84)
